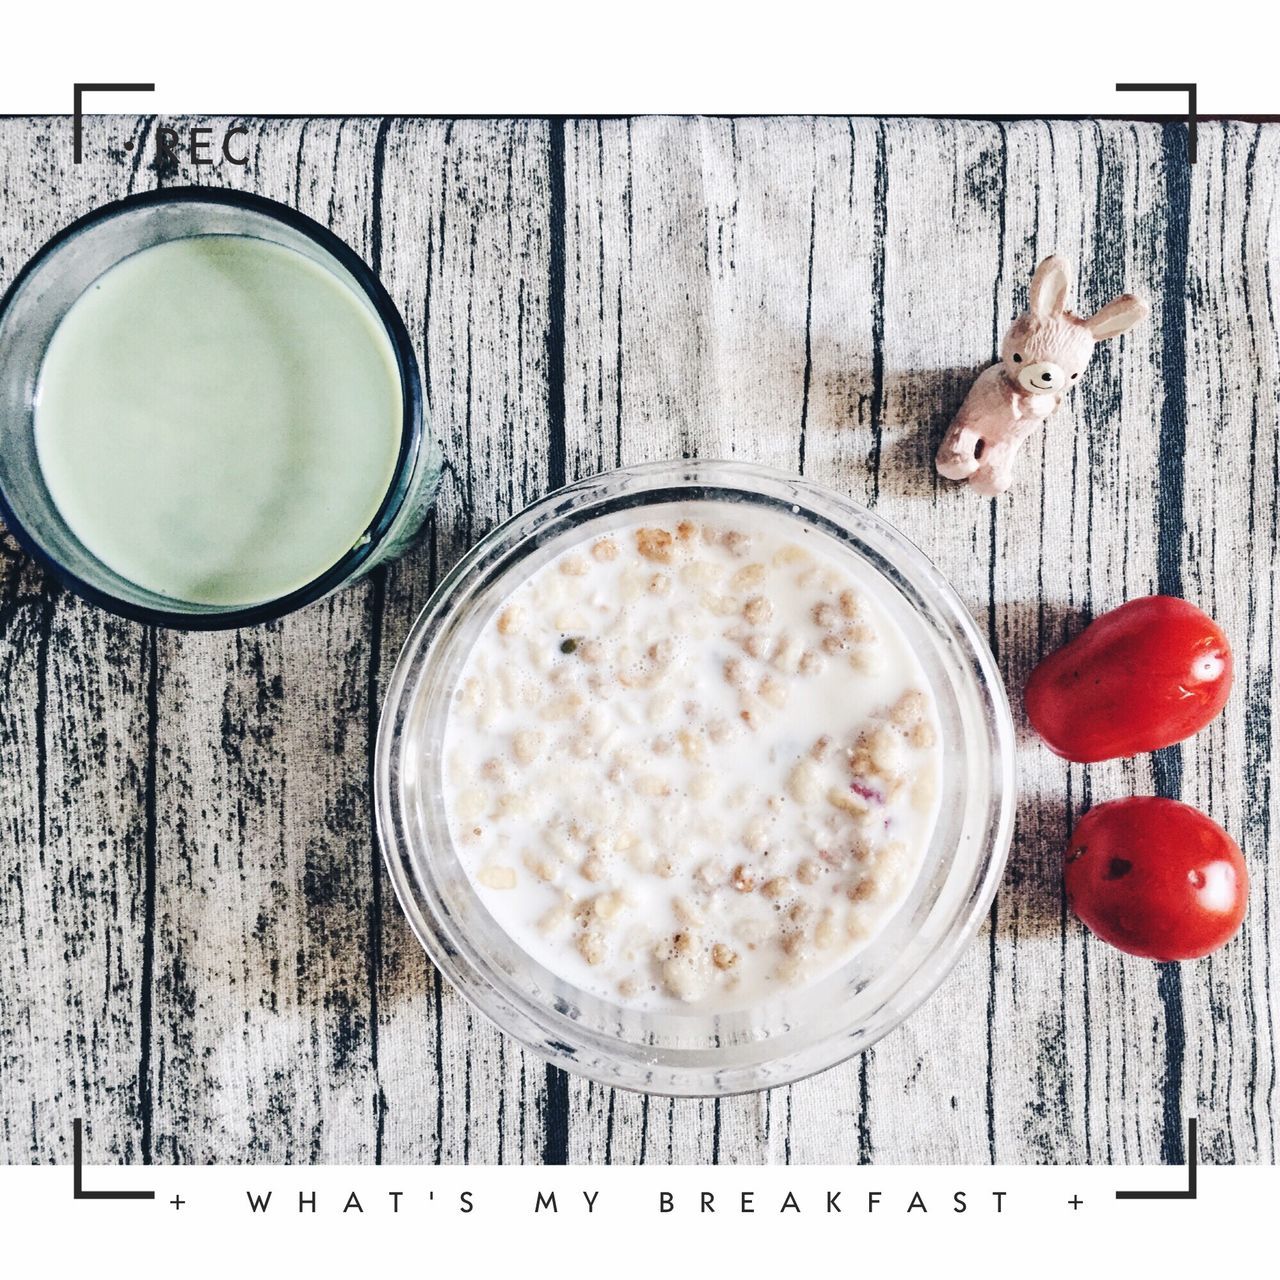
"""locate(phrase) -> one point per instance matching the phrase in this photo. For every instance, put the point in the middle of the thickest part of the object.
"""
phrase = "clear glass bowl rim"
(411, 436)
(540, 1028)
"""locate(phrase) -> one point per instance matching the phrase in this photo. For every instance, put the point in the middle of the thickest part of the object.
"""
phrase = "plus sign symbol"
(1075, 1202)
(177, 1202)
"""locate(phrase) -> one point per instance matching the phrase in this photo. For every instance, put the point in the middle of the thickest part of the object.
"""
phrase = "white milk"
(693, 761)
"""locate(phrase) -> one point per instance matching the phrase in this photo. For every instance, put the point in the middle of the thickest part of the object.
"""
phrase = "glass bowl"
(55, 278)
(692, 1052)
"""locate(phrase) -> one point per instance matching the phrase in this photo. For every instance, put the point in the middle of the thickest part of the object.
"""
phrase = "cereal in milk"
(692, 760)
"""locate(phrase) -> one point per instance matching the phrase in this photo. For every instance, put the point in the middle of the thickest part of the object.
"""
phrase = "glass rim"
(411, 428)
(537, 1024)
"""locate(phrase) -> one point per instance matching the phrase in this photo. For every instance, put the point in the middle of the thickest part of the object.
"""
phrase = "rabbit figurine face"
(1042, 357)
(1045, 355)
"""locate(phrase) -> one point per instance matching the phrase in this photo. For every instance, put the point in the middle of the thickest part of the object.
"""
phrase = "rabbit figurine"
(1042, 356)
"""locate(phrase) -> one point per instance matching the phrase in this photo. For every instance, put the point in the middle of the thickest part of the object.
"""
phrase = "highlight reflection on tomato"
(1156, 878)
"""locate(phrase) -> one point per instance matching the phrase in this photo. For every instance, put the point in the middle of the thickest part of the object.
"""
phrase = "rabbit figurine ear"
(1049, 288)
(1117, 317)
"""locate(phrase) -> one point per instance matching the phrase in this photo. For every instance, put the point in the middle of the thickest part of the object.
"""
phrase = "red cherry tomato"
(1156, 878)
(1148, 674)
